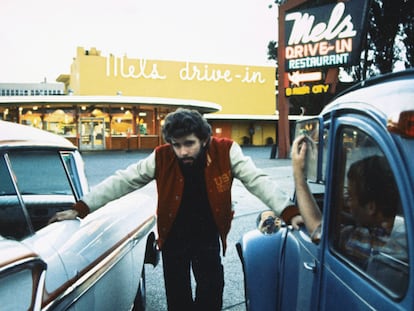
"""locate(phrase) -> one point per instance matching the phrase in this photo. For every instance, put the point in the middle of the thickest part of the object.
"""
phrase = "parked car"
(287, 270)
(95, 263)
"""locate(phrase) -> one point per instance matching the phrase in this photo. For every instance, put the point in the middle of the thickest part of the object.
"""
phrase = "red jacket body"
(170, 186)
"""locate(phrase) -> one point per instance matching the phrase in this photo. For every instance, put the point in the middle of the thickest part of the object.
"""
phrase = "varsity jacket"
(225, 161)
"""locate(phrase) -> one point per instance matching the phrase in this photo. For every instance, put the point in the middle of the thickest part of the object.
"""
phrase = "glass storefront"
(94, 127)
(92, 133)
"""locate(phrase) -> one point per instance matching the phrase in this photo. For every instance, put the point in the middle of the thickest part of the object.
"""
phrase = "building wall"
(239, 130)
(239, 89)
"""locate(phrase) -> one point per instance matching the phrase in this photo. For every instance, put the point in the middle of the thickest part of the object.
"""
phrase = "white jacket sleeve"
(121, 183)
(256, 181)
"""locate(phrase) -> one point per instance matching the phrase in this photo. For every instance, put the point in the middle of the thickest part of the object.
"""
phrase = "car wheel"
(140, 301)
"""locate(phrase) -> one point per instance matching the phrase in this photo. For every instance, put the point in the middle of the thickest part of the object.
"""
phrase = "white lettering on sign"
(297, 77)
(304, 30)
(252, 78)
(205, 73)
(318, 61)
(140, 70)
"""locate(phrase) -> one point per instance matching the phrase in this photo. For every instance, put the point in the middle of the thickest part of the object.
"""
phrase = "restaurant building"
(112, 102)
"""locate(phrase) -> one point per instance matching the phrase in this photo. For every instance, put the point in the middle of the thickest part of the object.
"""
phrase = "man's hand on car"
(268, 223)
(64, 215)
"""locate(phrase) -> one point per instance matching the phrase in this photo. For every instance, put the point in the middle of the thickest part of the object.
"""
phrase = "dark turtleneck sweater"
(194, 222)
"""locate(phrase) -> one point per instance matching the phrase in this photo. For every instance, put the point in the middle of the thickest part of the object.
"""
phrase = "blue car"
(288, 270)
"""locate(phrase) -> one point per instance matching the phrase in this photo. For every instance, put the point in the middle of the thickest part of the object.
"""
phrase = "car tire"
(140, 298)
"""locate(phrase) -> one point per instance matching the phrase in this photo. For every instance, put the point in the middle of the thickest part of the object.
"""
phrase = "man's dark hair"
(375, 182)
(183, 122)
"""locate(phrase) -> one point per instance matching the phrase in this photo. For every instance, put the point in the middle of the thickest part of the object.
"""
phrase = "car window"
(369, 231)
(43, 184)
(70, 163)
(40, 172)
(13, 220)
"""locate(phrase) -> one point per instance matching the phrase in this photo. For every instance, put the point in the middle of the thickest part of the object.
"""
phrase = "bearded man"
(194, 173)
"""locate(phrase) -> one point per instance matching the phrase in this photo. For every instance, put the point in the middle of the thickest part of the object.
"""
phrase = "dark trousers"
(205, 261)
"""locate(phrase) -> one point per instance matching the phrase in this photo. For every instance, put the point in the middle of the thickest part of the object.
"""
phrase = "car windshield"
(40, 172)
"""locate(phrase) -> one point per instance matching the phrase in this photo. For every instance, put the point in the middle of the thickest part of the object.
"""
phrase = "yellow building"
(116, 102)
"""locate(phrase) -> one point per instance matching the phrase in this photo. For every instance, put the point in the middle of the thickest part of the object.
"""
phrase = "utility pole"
(282, 101)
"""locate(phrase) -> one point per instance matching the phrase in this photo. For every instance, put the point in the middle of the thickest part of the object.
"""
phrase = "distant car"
(95, 263)
(286, 270)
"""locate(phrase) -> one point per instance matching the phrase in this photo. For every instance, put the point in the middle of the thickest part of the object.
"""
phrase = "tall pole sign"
(312, 39)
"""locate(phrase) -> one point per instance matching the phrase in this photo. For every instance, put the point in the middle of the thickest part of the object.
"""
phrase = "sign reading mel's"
(325, 36)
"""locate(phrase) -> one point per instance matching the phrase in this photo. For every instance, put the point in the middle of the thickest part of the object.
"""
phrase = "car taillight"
(402, 124)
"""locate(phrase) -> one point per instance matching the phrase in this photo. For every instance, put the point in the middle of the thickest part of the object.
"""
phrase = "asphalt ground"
(99, 165)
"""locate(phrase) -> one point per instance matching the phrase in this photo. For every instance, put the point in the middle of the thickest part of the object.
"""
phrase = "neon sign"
(307, 89)
(297, 77)
(314, 41)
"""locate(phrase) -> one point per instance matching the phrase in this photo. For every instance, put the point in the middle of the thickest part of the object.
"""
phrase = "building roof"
(202, 106)
(249, 117)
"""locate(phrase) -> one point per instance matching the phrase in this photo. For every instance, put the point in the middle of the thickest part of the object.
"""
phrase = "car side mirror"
(311, 129)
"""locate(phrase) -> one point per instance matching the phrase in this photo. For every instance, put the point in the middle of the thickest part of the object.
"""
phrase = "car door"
(94, 263)
(16, 230)
(104, 254)
(381, 281)
(299, 272)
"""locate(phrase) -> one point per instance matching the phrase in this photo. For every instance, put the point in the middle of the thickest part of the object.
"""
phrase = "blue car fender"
(260, 255)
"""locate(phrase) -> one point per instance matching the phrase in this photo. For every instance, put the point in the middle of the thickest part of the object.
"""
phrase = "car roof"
(17, 135)
(386, 96)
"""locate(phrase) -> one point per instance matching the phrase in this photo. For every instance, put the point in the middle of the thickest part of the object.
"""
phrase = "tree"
(277, 2)
(407, 32)
(272, 50)
(385, 48)
(389, 41)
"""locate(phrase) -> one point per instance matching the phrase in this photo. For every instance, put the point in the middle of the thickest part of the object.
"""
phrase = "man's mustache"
(187, 159)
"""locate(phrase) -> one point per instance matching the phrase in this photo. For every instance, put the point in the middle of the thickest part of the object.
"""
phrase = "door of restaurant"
(92, 134)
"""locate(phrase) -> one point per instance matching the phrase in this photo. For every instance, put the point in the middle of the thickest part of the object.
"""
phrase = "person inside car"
(372, 199)
(194, 173)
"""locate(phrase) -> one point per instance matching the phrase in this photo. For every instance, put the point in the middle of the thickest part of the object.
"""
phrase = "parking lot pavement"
(99, 165)
(233, 295)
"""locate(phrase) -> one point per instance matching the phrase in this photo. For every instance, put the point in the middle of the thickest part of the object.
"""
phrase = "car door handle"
(310, 265)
